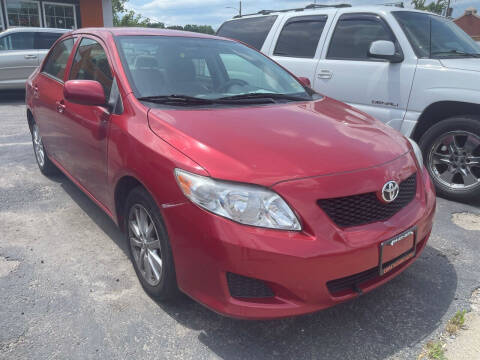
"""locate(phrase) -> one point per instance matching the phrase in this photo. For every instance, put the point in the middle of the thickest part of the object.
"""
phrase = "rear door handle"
(30, 56)
(35, 91)
(325, 74)
(60, 106)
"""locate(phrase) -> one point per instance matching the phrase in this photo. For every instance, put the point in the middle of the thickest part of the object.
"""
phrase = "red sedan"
(233, 181)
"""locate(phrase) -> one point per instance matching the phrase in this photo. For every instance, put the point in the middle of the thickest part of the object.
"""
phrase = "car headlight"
(417, 152)
(243, 203)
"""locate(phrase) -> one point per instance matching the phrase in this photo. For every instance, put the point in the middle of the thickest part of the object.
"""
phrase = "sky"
(215, 12)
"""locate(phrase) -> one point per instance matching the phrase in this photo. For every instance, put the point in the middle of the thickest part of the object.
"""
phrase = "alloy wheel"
(145, 244)
(38, 146)
(454, 160)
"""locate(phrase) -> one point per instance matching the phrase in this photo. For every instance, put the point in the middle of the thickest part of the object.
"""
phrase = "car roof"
(34, 29)
(138, 31)
(330, 10)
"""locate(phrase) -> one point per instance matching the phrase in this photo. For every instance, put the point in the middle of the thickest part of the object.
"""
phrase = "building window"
(59, 15)
(23, 13)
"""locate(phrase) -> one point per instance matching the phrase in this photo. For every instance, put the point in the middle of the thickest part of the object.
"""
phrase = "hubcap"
(38, 146)
(145, 244)
(454, 160)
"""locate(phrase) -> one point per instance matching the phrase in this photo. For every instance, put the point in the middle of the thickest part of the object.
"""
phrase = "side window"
(91, 63)
(252, 31)
(354, 34)
(17, 41)
(57, 59)
(300, 36)
(45, 40)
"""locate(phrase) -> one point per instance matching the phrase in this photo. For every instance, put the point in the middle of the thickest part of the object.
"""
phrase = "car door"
(47, 100)
(18, 59)
(296, 45)
(86, 127)
(346, 72)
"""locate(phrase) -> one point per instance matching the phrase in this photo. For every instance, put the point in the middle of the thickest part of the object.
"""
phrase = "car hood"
(272, 143)
(470, 64)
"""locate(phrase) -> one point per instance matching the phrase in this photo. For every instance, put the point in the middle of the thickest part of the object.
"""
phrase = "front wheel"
(451, 151)
(149, 246)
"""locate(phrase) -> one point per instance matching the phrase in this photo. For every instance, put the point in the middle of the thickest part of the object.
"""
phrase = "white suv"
(21, 51)
(413, 70)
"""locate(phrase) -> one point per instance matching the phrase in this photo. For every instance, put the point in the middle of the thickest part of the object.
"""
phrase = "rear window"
(45, 40)
(300, 36)
(252, 31)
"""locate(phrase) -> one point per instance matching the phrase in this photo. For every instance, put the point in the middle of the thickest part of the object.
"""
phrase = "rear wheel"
(451, 150)
(149, 247)
(44, 164)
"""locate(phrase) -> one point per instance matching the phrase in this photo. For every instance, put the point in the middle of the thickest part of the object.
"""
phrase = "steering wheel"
(225, 87)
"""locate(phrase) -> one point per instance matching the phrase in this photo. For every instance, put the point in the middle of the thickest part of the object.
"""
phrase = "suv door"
(87, 126)
(18, 59)
(346, 72)
(297, 45)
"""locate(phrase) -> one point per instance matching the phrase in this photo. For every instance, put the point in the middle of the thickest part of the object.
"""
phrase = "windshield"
(432, 36)
(202, 68)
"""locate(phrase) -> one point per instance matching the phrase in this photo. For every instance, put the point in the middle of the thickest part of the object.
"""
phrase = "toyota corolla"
(233, 181)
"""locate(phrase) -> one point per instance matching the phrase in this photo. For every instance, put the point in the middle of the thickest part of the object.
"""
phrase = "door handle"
(30, 56)
(60, 106)
(325, 74)
(35, 91)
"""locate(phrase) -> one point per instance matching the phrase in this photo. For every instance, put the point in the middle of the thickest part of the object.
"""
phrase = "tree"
(124, 17)
(436, 6)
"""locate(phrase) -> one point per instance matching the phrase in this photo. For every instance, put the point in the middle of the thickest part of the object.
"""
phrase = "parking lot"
(68, 290)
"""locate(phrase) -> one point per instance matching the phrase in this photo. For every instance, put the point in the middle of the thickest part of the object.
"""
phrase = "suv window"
(45, 40)
(300, 36)
(91, 63)
(252, 31)
(17, 41)
(355, 33)
(433, 36)
(58, 58)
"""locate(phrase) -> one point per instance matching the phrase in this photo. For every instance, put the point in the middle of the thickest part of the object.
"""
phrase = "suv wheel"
(44, 164)
(451, 150)
(149, 247)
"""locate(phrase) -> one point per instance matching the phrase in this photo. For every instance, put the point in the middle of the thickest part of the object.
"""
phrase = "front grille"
(367, 208)
(246, 287)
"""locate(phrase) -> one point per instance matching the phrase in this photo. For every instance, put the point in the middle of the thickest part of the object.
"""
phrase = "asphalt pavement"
(68, 290)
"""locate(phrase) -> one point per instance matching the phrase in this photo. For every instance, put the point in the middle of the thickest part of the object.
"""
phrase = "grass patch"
(456, 322)
(434, 351)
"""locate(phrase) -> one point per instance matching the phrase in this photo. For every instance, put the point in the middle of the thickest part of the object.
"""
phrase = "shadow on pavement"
(374, 326)
(12, 97)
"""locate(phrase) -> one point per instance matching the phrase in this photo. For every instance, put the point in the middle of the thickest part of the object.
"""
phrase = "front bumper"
(296, 265)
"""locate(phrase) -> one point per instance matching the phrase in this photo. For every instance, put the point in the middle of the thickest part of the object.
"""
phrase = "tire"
(46, 166)
(451, 151)
(141, 214)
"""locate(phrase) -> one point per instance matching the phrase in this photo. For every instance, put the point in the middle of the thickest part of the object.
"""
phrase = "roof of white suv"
(33, 29)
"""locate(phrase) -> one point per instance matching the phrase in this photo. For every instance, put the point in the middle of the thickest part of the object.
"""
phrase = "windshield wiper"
(176, 100)
(455, 52)
(271, 96)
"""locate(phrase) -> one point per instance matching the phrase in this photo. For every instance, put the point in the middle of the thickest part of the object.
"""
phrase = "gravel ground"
(68, 290)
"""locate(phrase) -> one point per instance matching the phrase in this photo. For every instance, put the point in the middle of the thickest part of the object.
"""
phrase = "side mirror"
(383, 49)
(84, 92)
(305, 81)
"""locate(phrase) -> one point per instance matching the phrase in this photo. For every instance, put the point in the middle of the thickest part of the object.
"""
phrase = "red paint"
(84, 92)
(304, 151)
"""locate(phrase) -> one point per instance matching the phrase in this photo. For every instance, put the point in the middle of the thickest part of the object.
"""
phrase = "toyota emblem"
(390, 191)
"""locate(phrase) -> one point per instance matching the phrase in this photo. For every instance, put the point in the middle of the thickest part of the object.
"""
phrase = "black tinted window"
(300, 36)
(354, 34)
(18, 41)
(91, 63)
(252, 31)
(45, 40)
(58, 58)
